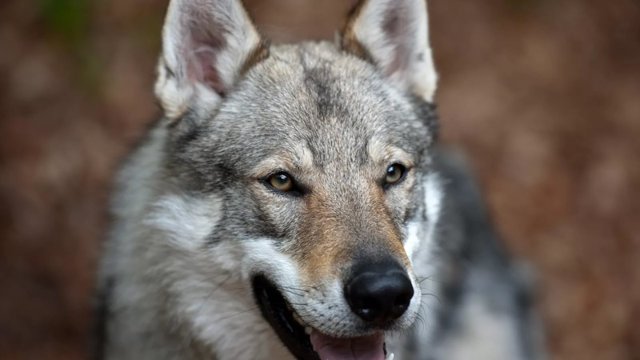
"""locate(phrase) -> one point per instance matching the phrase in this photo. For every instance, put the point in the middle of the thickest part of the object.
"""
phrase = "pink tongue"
(362, 348)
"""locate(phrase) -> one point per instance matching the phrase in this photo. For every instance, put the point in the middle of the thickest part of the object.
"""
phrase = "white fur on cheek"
(417, 235)
(413, 238)
(262, 256)
(433, 200)
(208, 291)
(187, 220)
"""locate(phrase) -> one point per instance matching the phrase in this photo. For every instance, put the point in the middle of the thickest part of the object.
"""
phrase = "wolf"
(292, 202)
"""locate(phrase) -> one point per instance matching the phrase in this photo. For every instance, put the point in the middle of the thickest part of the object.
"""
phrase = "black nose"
(379, 293)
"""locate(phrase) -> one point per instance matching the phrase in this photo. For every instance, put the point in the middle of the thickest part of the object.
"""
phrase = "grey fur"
(193, 214)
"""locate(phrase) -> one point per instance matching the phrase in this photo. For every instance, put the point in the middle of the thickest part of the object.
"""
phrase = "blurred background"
(542, 95)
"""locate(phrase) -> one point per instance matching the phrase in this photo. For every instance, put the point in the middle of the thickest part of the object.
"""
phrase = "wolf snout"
(379, 293)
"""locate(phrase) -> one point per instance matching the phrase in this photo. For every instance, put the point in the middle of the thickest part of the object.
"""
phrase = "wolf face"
(314, 154)
(299, 174)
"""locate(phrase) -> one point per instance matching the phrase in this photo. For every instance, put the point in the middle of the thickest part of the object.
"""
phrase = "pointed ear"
(206, 45)
(394, 35)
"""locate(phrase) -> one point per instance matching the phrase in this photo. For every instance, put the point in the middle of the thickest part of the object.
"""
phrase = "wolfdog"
(292, 203)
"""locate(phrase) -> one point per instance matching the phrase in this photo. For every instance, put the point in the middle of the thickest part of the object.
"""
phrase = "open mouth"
(306, 343)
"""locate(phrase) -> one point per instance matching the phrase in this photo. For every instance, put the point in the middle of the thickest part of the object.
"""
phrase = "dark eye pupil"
(282, 178)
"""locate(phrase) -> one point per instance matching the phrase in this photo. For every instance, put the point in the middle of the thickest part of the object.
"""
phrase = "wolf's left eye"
(281, 181)
(395, 174)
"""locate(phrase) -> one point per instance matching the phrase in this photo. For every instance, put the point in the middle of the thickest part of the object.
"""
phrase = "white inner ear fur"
(195, 33)
(396, 35)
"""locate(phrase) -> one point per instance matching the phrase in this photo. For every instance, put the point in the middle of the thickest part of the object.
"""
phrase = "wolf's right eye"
(281, 181)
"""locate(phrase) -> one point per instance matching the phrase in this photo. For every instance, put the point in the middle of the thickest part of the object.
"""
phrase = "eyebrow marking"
(299, 158)
(384, 153)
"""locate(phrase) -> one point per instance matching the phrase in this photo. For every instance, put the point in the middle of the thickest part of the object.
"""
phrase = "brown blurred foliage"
(543, 96)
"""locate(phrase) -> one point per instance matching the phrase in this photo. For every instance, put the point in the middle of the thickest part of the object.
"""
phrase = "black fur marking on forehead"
(318, 79)
(315, 80)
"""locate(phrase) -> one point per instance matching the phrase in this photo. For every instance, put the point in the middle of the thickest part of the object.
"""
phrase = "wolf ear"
(206, 45)
(394, 35)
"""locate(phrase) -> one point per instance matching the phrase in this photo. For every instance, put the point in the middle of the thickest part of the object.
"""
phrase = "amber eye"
(281, 181)
(395, 173)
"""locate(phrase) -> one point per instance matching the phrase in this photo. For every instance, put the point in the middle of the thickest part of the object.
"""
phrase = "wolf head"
(303, 170)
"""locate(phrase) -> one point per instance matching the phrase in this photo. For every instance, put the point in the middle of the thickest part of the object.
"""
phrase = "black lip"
(275, 310)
